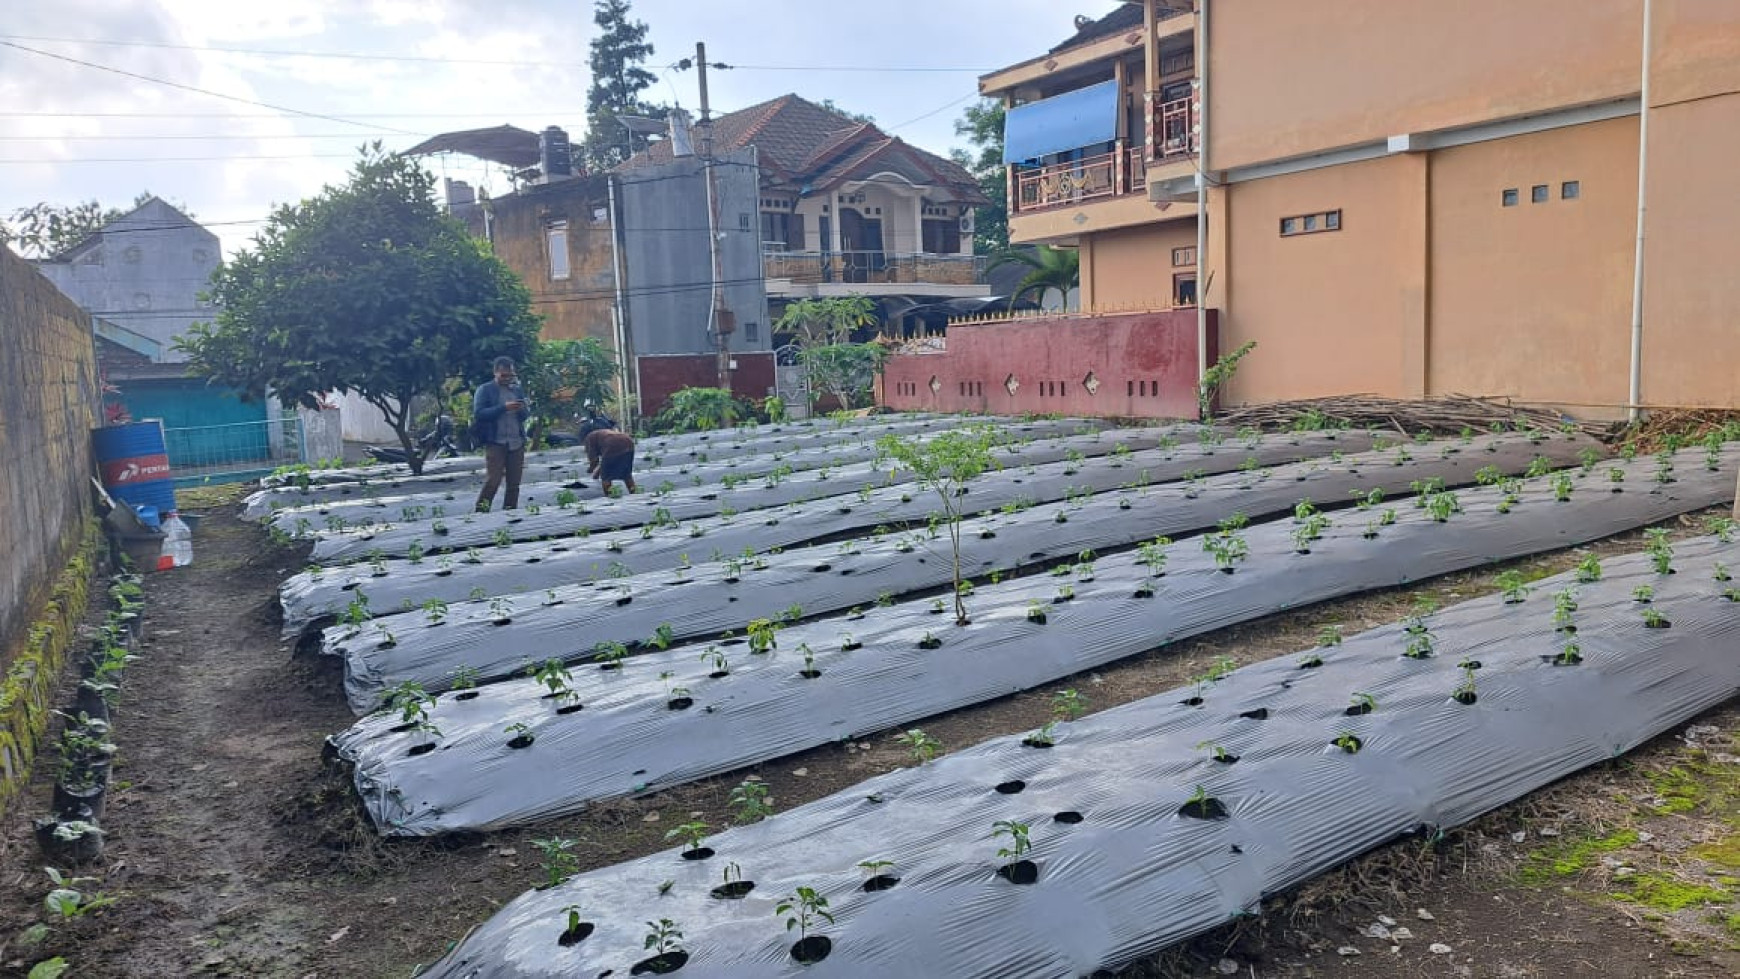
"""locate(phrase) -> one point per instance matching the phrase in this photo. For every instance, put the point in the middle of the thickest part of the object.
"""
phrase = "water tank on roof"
(555, 157)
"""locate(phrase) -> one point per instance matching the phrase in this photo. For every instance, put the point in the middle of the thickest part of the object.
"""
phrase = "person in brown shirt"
(610, 456)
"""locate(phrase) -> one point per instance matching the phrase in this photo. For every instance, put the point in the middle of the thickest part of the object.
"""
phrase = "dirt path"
(234, 851)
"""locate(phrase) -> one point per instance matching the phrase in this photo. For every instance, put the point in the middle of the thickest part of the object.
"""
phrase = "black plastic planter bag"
(876, 672)
(723, 488)
(743, 455)
(471, 530)
(1121, 869)
(1028, 477)
(505, 635)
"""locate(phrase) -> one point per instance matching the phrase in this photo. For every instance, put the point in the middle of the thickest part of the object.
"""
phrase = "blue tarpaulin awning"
(1063, 122)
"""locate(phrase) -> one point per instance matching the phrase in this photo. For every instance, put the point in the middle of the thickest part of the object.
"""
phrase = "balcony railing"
(1071, 182)
(874, 267)
(1174, 129)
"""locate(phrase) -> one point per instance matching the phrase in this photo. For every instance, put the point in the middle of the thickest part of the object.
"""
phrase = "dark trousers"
(500, 461)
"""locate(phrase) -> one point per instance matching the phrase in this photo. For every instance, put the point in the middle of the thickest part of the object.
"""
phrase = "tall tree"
(618, 80)
(366, 287)
(1049, 269)
(45, 229)
(982, 126)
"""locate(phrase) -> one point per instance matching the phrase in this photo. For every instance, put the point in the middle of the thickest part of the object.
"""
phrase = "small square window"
(1310, 222)
(1332, 221)
(1539, 194)
(1510, 197)
(1570, 190)
(1289, 226)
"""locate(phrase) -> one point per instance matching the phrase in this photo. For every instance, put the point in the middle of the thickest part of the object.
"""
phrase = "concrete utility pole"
(1634, 400)
(721, 322)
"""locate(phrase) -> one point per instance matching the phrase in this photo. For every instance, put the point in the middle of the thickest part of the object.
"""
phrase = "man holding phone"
(499, 410)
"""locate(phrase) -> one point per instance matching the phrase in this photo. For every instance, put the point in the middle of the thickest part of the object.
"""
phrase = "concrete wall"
(144, 272)
(48, 404)
(1137, 365)
(663, 375)
(663, 209)
(1132, 268)
(579, 306)
(1288, 78)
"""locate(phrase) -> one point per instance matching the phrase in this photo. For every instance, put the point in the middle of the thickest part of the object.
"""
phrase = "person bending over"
(610, 456)
(498, 411)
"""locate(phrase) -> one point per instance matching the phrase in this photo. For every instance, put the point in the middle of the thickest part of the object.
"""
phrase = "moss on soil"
(1725, 851)
(1697, 784)
(1668, 893)
(1572, 857)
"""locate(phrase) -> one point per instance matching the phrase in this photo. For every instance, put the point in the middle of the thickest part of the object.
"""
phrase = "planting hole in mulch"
(534, 559)
(467, 695)
(1209, 808)
(1033, 742)
(421, 749)
(812, 949)
(1011, 787)
(1357, 710)
(1348, 744)
(698, 853)
(1019, 872)
(737, 890)
(1227, 758)
(1193, 701)
(1658, 624)
(1465, 697)
(880, 882)
(718, 674)
(520, 741)
(624, 600)
(809, 674)
(610, 666)
(575, 935)
(570, 708)
(660, 965)
(1068, 817)
(822, 568)
(1260, 714)
(1563, 659)
(501, 620)
(680, 703)
(402, 728)
(1143, 591)
(930, 643)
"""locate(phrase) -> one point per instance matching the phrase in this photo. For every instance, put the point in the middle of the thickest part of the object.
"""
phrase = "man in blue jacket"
(498, 412)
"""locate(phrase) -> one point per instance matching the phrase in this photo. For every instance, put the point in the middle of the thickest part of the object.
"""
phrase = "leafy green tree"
(982, 126)
(815, 322)
(562, 376)
(701, 410)
(829, 105)
(1049, 269)
(945, 464)
(365, 287)
(45, 229)
(845, 370)
(619, 50)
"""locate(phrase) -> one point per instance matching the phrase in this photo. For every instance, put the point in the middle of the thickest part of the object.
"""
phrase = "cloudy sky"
(117, 97)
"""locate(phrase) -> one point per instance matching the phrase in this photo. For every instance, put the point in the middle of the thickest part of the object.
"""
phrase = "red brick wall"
(1130, 365)
(662, 375)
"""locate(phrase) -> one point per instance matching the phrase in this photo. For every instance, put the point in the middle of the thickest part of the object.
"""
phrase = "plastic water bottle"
(178, 541)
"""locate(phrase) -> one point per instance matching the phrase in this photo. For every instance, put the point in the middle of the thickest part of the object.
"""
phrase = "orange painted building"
(1406, 197)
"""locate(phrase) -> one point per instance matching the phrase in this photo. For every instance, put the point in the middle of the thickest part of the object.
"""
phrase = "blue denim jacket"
(487, 407)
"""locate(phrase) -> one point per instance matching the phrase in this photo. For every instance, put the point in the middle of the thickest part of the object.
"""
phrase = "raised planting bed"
(1134, 834)
(1089, 463)
(731, 485)
(602, 733)
(341, 543)
(504, 634)
(743, 455)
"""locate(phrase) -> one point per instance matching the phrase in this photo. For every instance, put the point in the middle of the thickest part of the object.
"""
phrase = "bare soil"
(235, 849)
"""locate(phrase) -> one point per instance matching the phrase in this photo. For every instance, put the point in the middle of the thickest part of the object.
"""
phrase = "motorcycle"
(437, 443)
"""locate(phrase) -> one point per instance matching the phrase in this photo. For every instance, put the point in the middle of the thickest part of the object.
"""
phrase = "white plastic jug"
(178, 541)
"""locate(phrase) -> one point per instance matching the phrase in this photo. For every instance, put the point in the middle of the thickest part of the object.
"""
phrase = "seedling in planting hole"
(357, 612)
(693, 834)
(801, 909)
(749, 803)
(1362, 703)
(1329, 635)
(410, 700)
(1654, 619)
(1067, 705)
(1387, 517)
(1722, 572)
(1571, 655)
(1018, 840)
(464, 678)
(1442, 505)
(1044, 737)
(1419, 645)
(715, 658)
(1424, 488)
(1227, 548)
(809, 660)
(663, 636)
(929, 641)
(872, 869)
(1540, 466)
(500, 611)
(1510, 583)
(435, 610)
(1216, 752)
(1310, 661)
(1064, 593)
(560, 863)
(1036, 612)
(1588, 457)
(1589, 569)
(609, 654)
(1723, 528)
(520, 736)
(763, 635)
(937, 607)
(1562, 485)
(1464, 692)
(1348, 741)
(1643, 593)
(663, 938)
(793, 613)
(920, 745)
(553, 674)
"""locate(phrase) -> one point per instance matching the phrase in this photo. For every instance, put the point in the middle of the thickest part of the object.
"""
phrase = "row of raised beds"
(529, 749)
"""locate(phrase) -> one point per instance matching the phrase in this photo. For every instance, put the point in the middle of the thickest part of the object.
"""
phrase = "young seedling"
(1216, 752)
(749, 802)
(1511, 585)
(1036, 612)
(1643, 593)
(694, 837)
(1570, 655)
(809, 671)
(876, 874)
(663, 636)
(609, 654)
(1361, 703)
(520, 735)
(920, 745)
(1464, 692)
(945, 464)
(1589, 569)
(763, 635)
(1721, 572)
(1348, 742)
(1329, 635)
(1068, 705)
(1562, 485)
(665, 941)
(1045, 737)
(560, 862)
(464, 678)
(1654, 618)
(801, 909)
(1017, 832)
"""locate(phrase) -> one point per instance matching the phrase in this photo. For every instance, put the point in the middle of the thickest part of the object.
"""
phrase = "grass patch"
(1669, 893)
(1725, 851)
(1695, 784)
(1572, 857)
